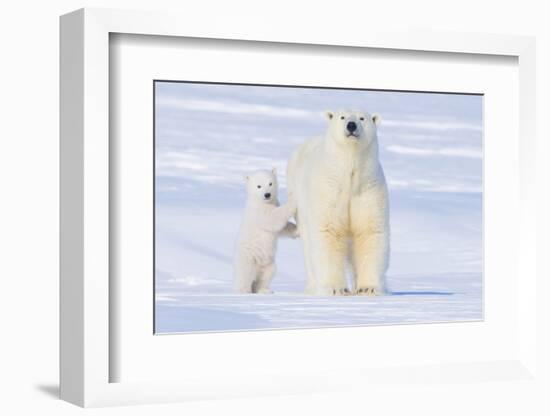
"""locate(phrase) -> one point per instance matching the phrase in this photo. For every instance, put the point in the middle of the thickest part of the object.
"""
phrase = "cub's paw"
(369, 291)
(265, 291)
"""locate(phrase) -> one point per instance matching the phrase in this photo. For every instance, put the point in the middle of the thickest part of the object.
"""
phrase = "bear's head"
(261, 185)
(352, 127)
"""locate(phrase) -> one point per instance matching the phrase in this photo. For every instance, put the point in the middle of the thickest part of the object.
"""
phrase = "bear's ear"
(274, 171)
(329, 115)
(376, 119)
(246, 178)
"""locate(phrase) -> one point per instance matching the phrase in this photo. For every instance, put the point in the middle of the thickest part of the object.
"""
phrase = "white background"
(29, 207)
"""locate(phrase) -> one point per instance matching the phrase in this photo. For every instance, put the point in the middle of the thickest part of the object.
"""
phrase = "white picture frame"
(86, 356)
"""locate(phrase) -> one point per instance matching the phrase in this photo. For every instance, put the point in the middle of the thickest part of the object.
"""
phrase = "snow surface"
(209, 136)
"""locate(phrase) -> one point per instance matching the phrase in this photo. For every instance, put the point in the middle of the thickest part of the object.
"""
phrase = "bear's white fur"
(264, 221)
(342, 206)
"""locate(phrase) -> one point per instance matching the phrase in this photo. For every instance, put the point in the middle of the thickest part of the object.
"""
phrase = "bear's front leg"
(309, 254)
(290, 230)
(330, 257)
(279, 216)
(370, 261)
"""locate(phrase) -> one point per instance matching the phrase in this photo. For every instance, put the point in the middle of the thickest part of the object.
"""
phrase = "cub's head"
(356, 127)
(262, 185)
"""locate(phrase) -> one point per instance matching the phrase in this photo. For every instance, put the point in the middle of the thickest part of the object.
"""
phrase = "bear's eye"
(342, 117)
(362, 118)
(270, 184)
(259, 186)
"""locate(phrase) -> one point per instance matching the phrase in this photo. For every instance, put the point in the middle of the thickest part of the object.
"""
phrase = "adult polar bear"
(342, 206)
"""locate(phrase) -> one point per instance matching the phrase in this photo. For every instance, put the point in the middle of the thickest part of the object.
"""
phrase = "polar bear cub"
(264, 221)
(342, 206)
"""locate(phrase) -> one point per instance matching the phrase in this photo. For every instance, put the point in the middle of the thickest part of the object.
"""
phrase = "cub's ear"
(246, 178)
(376, 119)
(329, 115)
(274, 171)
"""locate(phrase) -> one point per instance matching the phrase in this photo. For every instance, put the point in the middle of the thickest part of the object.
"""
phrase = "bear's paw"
(369, 291)
(344, 291)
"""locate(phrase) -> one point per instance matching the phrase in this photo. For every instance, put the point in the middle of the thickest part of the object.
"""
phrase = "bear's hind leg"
(245, 276)
(264, 279)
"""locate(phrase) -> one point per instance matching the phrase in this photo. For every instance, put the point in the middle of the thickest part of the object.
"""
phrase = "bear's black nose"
(351, 126)
(267, 196)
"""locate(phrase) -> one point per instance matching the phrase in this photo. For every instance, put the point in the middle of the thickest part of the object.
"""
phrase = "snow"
(209, 136)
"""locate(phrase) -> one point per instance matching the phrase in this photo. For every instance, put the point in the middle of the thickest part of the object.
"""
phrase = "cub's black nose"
(351, 126)
(268, 195)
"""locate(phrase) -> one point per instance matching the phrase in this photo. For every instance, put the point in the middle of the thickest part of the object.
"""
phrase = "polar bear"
(342, 206)
(264, 221)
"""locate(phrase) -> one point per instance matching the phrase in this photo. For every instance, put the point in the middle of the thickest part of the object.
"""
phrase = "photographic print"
(285, 207)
